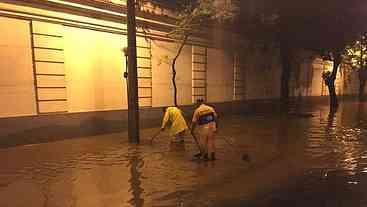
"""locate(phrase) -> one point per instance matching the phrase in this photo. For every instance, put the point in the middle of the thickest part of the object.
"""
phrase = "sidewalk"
(107, 171)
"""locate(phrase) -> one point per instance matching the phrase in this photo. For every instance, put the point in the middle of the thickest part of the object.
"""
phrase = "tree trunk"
(133, 105)
(285, 55)
(333, 97)
(174, 70)
(362, 83)
(330, 82)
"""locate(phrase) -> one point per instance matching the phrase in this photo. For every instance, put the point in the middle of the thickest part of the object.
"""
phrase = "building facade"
(62, 65)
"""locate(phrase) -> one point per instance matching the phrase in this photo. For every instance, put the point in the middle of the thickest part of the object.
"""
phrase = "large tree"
(278, 25)
(330, 27)
(334, 29)
(325, 27)
(356, 57)
(194, 19)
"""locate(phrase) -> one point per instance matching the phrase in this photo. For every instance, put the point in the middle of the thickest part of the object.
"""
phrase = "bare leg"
(211, 144)
(204, 143)
(180, 136)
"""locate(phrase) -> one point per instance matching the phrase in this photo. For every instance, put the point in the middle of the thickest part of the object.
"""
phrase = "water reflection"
(336, 152)
(135, 164)
(330, 128)
(314, 161)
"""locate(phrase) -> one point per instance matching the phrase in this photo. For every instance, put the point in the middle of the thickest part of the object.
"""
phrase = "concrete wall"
(17, 92)
(219, 76)
(316, 81)
(350, 81)
(307, 79)
(162, 56)
(77, 71)
(262, 74)
(94, 65)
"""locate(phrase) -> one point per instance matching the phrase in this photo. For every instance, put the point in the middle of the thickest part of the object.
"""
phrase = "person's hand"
(215, 130)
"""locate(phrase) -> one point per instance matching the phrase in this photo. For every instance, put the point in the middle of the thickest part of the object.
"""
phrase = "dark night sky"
(323, 19)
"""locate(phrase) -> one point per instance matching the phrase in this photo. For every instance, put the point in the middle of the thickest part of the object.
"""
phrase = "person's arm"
(193, 122)
(215, 119)
(165, 120)
(193, 126)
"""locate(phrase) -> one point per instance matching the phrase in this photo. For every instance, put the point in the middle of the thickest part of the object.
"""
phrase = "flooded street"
(295, 160)
(336, 168)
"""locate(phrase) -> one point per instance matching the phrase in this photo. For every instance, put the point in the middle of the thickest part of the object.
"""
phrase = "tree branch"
(174, 68)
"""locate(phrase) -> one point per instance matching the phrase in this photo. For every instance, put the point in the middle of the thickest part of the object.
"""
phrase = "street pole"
(133, 105)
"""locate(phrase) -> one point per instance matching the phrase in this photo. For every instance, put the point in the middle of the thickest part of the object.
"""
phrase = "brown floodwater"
(295, 160)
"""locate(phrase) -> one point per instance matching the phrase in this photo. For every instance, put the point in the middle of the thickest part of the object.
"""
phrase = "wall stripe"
(199, 70)
(48, 61)
(144, 65)
(239, 87)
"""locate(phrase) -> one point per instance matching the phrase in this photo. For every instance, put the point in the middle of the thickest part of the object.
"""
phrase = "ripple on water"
(95, 171)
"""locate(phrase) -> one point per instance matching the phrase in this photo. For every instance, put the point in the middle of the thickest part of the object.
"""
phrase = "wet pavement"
(296, 160)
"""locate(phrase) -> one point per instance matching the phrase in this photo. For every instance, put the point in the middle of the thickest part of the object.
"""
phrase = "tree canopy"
(356, 53)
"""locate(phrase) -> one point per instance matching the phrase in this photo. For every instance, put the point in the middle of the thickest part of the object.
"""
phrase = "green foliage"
(356, 54)
(202, 13)
(192, 20)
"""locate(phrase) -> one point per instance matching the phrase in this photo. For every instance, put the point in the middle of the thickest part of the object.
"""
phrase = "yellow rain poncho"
(173, 116)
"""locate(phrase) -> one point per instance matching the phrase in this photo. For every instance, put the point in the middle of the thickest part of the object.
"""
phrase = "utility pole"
(133, 105)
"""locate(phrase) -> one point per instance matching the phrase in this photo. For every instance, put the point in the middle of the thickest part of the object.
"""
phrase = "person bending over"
(174, 120)
(205, 120)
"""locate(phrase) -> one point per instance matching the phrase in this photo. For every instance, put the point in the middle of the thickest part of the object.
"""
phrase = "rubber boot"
(212, 157)
(198, 155)
(205, 157)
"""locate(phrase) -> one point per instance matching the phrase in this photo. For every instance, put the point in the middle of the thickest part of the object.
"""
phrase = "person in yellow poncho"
(174, 120)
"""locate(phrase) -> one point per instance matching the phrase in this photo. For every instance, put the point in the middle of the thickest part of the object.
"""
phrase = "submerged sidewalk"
(107, 171)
